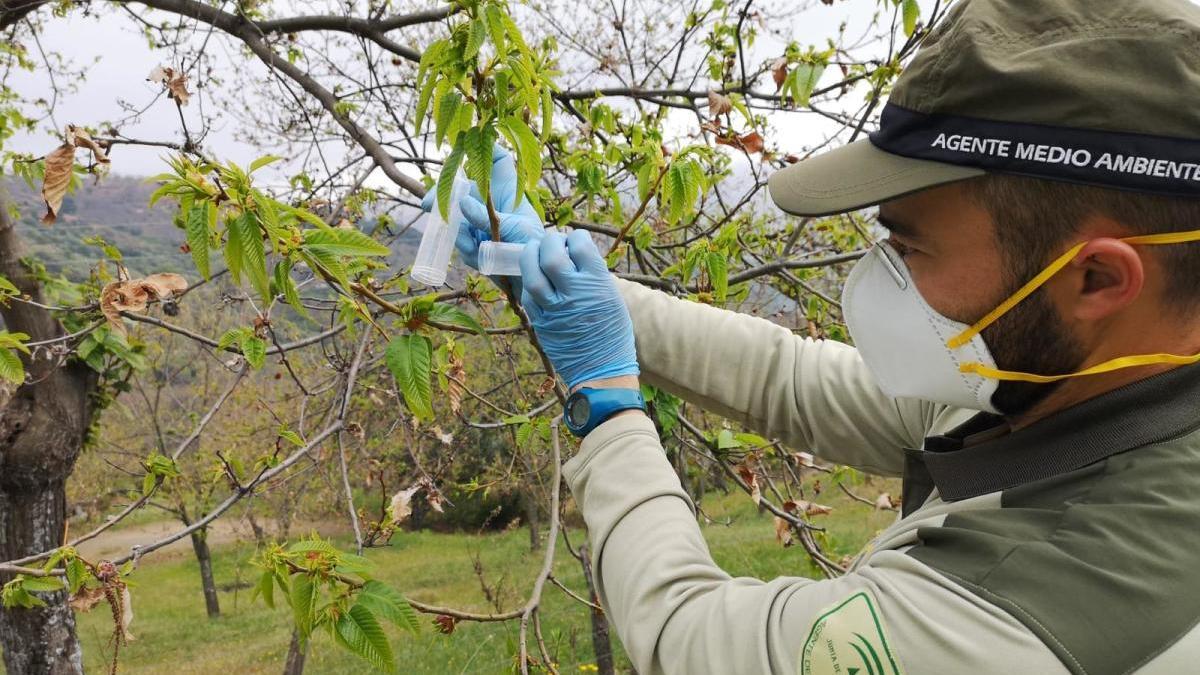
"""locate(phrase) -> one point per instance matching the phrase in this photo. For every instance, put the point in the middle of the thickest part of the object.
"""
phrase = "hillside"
(116, 209)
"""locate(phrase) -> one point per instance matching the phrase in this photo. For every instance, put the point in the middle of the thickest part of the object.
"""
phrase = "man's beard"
(1030, 338)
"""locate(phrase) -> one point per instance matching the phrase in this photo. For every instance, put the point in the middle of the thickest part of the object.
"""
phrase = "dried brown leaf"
(126, 612)
(887, 502)
(86, 598)
(813, 509)
(779, 70)
(83, 139)
(750, 477)
(401, 507)
(134, 294)
(175, 82)
(783, 532)
(59, 165)
(719, 104)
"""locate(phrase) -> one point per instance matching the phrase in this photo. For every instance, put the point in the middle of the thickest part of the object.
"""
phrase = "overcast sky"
(121, 59)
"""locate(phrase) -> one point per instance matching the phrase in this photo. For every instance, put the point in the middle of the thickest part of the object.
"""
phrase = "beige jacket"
(677, 612)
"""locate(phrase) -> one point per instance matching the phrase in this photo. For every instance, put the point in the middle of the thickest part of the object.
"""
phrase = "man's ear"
(1109, 275)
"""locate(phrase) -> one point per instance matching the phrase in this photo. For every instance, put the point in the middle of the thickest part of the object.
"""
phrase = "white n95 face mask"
(903, 340)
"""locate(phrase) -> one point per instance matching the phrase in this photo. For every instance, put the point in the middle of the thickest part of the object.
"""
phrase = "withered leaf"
(719, 104)
(401, 507)
(86, 598)
(779, 71)
(749, 476)
(126, 612)
(175, 82)
(783, 532)
(887, 502)
(59, 166)
(134, 294)
(83, 139)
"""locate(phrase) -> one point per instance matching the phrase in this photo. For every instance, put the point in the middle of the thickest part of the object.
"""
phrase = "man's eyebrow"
(902, 229)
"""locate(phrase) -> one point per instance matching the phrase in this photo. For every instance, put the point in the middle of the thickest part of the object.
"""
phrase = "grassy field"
(174, 636)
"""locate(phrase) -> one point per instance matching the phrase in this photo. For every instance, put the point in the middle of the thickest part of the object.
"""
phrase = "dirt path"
(118, 541)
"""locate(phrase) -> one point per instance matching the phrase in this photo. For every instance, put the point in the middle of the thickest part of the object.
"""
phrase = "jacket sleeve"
(677, 612)
(815, 395)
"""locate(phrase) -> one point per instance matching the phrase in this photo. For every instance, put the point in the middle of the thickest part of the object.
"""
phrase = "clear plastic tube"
(433, 255)
(500, 258)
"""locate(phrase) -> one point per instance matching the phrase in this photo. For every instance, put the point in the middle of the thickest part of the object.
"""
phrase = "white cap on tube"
(500, 258)
(433, 256)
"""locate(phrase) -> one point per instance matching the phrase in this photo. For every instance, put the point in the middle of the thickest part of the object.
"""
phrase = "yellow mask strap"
(1106, 367)
(1045, 275)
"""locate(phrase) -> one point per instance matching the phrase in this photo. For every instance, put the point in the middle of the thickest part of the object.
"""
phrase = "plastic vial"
(433, 256)
(500, 258)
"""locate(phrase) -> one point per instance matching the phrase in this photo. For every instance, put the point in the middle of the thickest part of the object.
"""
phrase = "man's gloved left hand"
(575, 308)
(518, 223)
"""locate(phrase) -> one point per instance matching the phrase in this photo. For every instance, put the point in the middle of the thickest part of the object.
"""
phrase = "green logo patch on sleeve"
(848, 639)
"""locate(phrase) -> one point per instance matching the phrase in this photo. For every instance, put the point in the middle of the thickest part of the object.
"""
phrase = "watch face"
(579, 410)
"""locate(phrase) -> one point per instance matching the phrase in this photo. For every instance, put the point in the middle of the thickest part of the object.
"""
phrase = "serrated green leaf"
(285, 285)
(475, 38)
(46, 584)
(445, 184)
(726, 441)
(266, 587)
(198, 235)
(148, 484)
(478, 142)
(11, 368)
(254, 349)
(303, 600)
(7, 287)
(718, 274)
(410, 358)
(76, 574)
(361, 632)
(253, 259)
(344, 241)
(495, 26)
(390, 604)
(443, 117)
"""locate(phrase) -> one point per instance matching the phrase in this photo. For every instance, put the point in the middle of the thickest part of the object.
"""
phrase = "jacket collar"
(1148, 411)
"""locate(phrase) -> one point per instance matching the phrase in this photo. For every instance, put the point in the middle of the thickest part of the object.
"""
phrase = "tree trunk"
(601, 643)
(296, 656)
(204, 557)
(40, 640)
(42, 430)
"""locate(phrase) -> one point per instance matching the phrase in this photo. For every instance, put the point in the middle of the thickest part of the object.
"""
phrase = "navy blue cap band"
(1153, 164)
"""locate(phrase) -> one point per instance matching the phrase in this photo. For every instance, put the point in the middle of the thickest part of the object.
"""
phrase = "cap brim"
(854, 176)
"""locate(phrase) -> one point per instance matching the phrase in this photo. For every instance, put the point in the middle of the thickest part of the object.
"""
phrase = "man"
(1024, 340)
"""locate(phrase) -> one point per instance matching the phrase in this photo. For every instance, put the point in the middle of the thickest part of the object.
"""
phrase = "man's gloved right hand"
(518, 224)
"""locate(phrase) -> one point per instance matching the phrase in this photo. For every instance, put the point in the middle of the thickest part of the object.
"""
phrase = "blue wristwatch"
(588, 408)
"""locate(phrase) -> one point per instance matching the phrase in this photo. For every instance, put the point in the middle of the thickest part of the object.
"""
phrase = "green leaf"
(495, 26)
(11, 368)
(410, 358)
(7, 287)
(445, 184)
(44, 584)
(254, 349)
(148, 484)
(246, 235)
(262, 161)
(390, 604)
(478, 31)
(344, 241)
(197, 236)
(718, 274)
(912, 11)
(804, 80)
(266, 588)
(444, 313)
(285, 285)
(360, 631)
(76, 574)
(479, 142)
(447, 110)
(726, 441)
(303, 600)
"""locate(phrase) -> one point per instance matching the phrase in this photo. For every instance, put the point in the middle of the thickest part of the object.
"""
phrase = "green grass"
(173, 634)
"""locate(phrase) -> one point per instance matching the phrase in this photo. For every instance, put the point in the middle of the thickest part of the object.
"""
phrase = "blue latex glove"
(517, 225)
(575, 308)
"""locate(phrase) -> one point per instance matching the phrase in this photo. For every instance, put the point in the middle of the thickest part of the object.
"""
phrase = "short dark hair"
(1035, 220)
